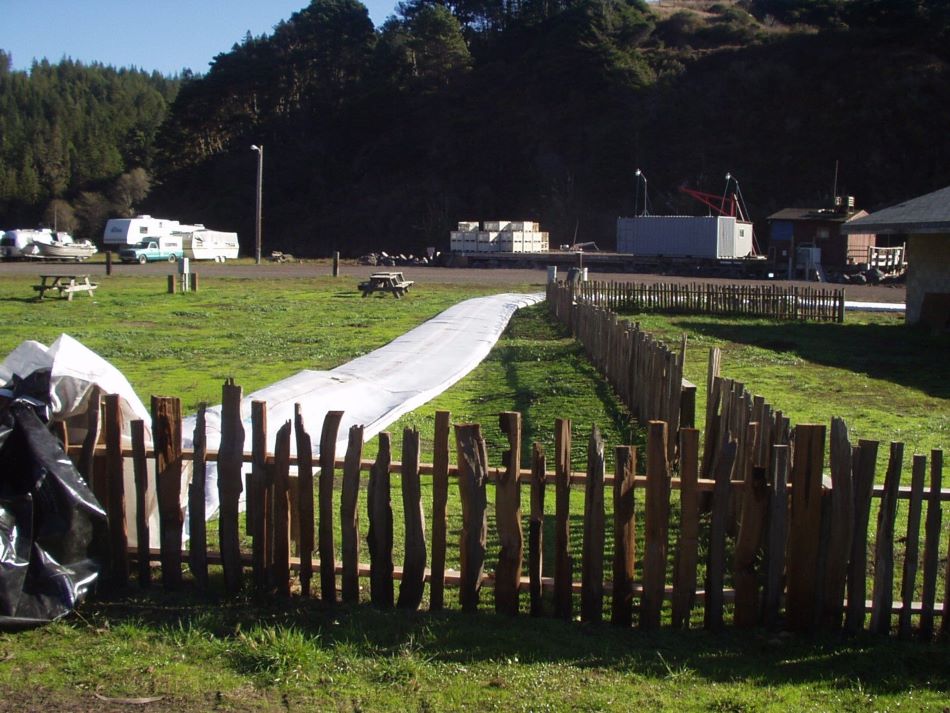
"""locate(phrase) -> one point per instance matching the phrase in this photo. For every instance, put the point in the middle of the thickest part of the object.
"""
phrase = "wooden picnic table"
(66, 285)
(393, 282)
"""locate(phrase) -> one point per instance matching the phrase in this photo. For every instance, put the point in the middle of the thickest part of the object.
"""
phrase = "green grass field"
(208, 652)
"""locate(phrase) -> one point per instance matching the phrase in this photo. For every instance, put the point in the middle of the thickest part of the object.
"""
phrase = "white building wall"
(928, 270)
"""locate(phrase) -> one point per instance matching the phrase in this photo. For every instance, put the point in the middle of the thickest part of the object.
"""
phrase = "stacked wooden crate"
(504, 236)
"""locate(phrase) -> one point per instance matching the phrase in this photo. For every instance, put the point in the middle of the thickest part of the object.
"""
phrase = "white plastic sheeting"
(376, 389)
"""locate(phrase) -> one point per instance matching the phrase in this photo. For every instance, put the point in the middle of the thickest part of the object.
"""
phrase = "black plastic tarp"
(53, 532)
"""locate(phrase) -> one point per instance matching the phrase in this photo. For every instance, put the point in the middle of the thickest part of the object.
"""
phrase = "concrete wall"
(928, 270)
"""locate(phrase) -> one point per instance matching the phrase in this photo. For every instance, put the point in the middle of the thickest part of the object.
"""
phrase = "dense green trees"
(66, 129)
(466, 109)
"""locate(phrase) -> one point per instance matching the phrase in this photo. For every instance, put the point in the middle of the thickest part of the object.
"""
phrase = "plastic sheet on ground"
(376, 389)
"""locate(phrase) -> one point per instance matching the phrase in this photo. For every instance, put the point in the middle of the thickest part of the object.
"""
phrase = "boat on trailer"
(61, 247)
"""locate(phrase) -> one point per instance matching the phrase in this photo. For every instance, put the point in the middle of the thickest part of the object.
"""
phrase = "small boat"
(62, 247)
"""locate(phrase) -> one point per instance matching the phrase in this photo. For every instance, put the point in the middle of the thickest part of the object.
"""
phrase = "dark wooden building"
(810, 240)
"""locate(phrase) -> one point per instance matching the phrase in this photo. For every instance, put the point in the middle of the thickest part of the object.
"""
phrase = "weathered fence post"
(508, 518)
(755, 502)
(230, 467)
(931, 548)
(657, 525)
(380, 535)
(87, 455)
(912, 545)
(166, 432)
(863, 464)
(331, 424)
(621, 610)
(473, 474)
(118, 536)
(197, 527)
(778, 516)
(715, 566)
(259, 497)
(414, 557)
(440, 497)
(563, 564)
(841, 527)
(536, 529)
(305, 537)
(882, 597)
(687, 549)
(349, 517)
(592, 561)
(805, 526)
(281, 567)
(140, 469)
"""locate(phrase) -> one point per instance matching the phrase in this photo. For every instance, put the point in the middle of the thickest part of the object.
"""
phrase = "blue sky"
(163, 35)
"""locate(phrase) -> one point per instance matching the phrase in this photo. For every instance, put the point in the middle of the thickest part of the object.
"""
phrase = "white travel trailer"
(199, 242)
(121, 232)
(204, 244)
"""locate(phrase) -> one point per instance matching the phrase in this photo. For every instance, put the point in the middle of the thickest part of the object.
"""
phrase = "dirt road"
(499, 276)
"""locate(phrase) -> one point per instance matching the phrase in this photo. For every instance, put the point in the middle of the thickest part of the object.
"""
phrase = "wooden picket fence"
(782, 547)
(771, 301)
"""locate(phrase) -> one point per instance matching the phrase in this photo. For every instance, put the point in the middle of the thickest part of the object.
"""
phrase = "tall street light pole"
(260, 174)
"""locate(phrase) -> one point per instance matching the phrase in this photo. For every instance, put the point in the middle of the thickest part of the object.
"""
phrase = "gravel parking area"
(421, 275)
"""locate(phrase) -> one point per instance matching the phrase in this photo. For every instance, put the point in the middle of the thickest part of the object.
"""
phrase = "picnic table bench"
(66, 285)
(393, 282)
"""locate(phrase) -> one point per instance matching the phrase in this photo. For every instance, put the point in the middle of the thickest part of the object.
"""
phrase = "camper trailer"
(204, 244)
(198, 242)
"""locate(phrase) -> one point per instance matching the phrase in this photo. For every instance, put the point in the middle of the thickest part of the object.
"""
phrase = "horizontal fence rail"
(771, 301)
(784, 548)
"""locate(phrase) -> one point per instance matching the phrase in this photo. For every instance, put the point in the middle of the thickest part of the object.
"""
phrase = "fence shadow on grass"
(906, 356)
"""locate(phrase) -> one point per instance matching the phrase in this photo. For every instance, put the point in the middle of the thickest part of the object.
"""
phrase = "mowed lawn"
(196, 652)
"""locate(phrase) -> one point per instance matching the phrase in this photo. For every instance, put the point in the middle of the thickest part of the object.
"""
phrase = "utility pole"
(260, 176)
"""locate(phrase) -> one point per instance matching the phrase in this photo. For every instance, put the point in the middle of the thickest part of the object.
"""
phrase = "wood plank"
(863, 464)
(805, 526)
(508, 518)
(197, 525)
(624, 560)
(85, 465)
(716, 563)
(349, 517)
(473, 466)
(536, 529)
(755, 509)
(331, 425)
(882, 596)
(259, 496)
(563, 563)
(280, 569)
(841, 526)
(304, 504)
(657, 518)
(115, 476)
(380, 536)
(230, 485)
(440, 498)
(777, 533)
(166, 434)
(414, 558)
(912, 545)
(592, 557)
(931, 547)
(687, 548)
(140, 470)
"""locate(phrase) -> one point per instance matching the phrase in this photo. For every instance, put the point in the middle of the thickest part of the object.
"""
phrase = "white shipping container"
(468, 225)
(496, 225)
(712, 237)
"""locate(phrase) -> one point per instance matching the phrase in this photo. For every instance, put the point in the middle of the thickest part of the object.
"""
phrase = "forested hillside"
(383, 138)
(76, 142)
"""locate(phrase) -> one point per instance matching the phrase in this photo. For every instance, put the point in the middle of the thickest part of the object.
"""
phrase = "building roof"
(929, 213)
(824, 215)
